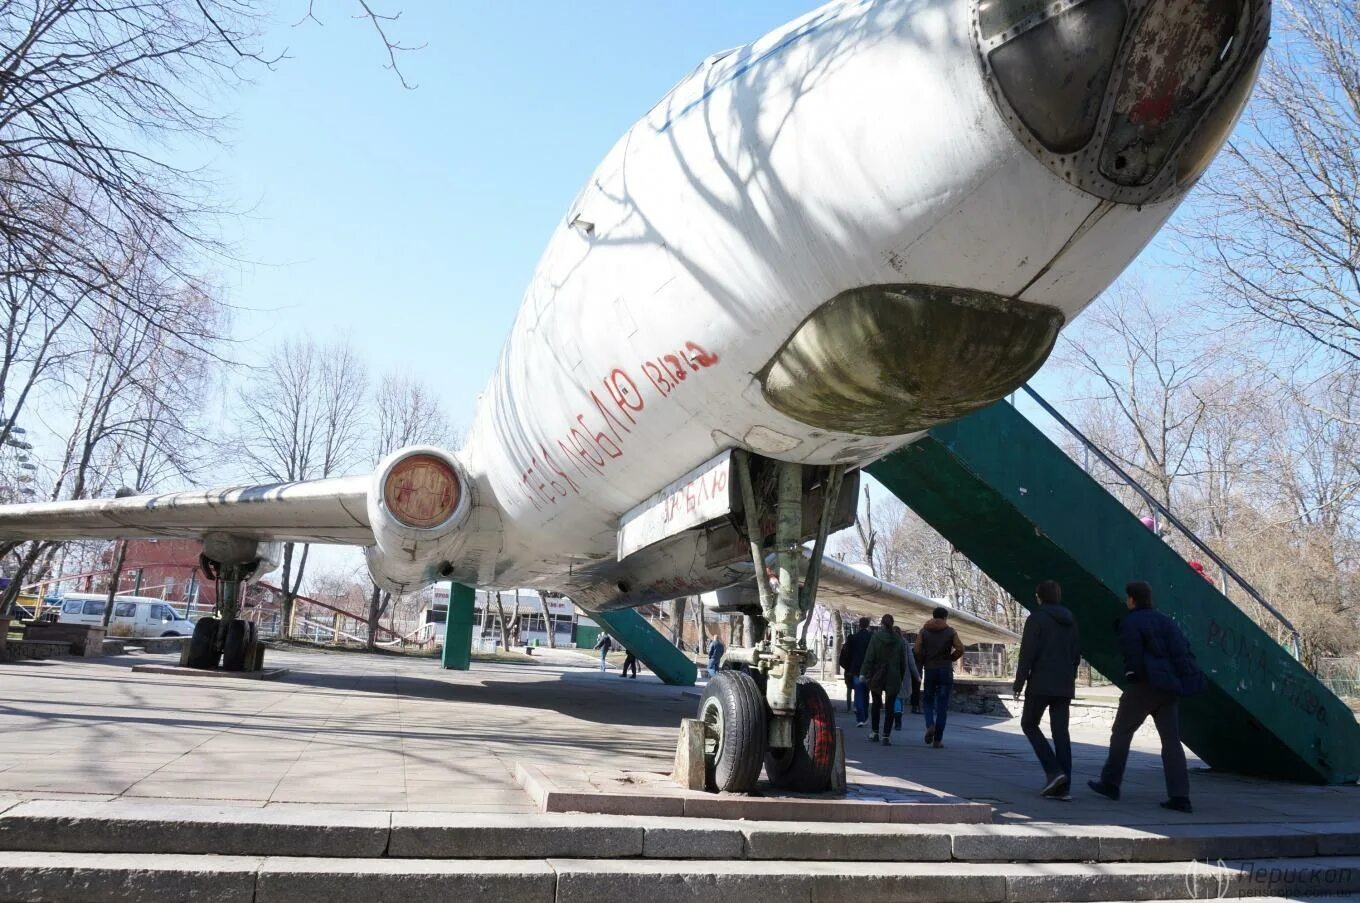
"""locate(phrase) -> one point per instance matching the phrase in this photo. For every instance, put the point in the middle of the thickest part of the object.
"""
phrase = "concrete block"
(847, 843)
(689, 770)
(960, 813)
(663, 881)
(408, 880)
(84, 827)
(1333, 838)
(667, 880)
(116, 878)
(1075, 882)
(914, 882)
(662, 841)
(1011, 843)
(775, 809)
(447, 835)
(1185, 843)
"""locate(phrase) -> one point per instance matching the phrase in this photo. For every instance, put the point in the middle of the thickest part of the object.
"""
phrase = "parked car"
(138, 616)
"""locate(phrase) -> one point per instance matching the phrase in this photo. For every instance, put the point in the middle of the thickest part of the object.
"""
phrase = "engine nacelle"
(419, 499)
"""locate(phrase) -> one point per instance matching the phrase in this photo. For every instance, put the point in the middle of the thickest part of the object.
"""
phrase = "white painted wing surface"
(841, 586)
(325, 511)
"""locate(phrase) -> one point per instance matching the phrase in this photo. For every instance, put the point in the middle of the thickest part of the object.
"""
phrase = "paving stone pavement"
(355, 731)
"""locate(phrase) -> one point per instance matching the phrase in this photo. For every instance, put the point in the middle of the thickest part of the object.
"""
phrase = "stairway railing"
(1165, 513)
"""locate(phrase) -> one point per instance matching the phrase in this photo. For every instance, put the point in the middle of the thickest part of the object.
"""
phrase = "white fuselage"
(855, 146)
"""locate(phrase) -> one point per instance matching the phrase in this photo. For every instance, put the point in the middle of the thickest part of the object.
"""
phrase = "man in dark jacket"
(1049, 656)
(851, 661)
(937, 648)
(1160, 669)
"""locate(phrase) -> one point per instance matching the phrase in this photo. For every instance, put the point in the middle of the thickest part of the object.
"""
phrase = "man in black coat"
(1050, 652)
(851, 661)
(1160, 669)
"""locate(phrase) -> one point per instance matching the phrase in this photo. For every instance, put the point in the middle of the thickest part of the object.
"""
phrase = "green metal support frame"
(458, 627)
(1017, 506)
(631, 629)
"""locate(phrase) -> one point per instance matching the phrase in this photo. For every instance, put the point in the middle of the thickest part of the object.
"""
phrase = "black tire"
(733, 712)
(203, 645)
(807, 766)
(168, 633)
(234, 649)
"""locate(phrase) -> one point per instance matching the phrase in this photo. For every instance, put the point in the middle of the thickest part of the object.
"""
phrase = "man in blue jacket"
(1050, 653)
(851, 660)
(1160, 669)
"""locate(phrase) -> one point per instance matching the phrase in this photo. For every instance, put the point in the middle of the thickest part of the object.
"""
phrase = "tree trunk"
(677, 616)
(373, 614)
(547, 622)
(505, 628)
(115, 577)
(701, 638)
(16, 582)
(514, 621)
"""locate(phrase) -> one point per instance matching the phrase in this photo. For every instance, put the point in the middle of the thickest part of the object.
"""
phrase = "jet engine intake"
(419, 499)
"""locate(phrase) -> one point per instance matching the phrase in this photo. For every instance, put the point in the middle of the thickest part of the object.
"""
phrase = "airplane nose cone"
(1127, 99)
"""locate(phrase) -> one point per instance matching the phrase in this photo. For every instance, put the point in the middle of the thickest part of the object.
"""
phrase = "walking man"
(1160, 669)
(1047, 674)
(882, 670)
(851, 662)
(629, 663)
(605, 643)
(716, 649)
(937, 648)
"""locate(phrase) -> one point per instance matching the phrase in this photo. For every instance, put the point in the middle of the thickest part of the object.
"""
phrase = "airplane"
(814, 248)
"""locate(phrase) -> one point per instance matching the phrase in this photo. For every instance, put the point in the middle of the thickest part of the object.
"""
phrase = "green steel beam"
(630, 629)
(458, 627)
(1018, 507)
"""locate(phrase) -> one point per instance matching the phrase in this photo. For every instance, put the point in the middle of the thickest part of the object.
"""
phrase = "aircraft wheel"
(202, 651)
(733, 712)
(806, 766)
(234, 649)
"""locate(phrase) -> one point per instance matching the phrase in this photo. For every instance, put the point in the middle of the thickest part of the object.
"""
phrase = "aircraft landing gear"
(792, 729)
(226, 639)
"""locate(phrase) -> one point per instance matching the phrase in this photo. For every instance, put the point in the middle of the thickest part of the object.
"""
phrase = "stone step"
(97, 877)
(125, 827)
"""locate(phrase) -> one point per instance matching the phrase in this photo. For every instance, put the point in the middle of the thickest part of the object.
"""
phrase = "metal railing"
(1295, 641)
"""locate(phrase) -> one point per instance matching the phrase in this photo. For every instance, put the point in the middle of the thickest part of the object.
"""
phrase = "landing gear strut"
(227, 640)
(792, 729)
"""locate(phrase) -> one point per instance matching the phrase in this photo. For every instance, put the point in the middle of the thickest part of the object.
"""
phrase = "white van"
(139, 616)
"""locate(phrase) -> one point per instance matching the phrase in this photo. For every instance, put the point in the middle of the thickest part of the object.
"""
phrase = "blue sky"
(413, 219)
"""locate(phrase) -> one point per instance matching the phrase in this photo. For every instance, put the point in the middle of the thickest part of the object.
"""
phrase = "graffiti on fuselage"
(598, 432)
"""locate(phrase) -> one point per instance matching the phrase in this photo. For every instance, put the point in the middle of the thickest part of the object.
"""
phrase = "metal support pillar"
(458, 627)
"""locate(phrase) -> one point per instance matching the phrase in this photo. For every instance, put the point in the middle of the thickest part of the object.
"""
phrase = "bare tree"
(1280, 230)
(868, 533)
(1148, 371)
(547, 621)
(303, 418)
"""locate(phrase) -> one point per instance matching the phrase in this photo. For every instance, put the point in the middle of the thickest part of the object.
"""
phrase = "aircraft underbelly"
(724, 221)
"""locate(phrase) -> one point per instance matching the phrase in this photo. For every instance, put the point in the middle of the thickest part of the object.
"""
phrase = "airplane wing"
(324, 511)
(842, 586)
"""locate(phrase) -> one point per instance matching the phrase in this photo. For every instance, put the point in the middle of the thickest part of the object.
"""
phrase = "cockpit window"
(998, 16)
(1054, 75)
(1179, 50)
